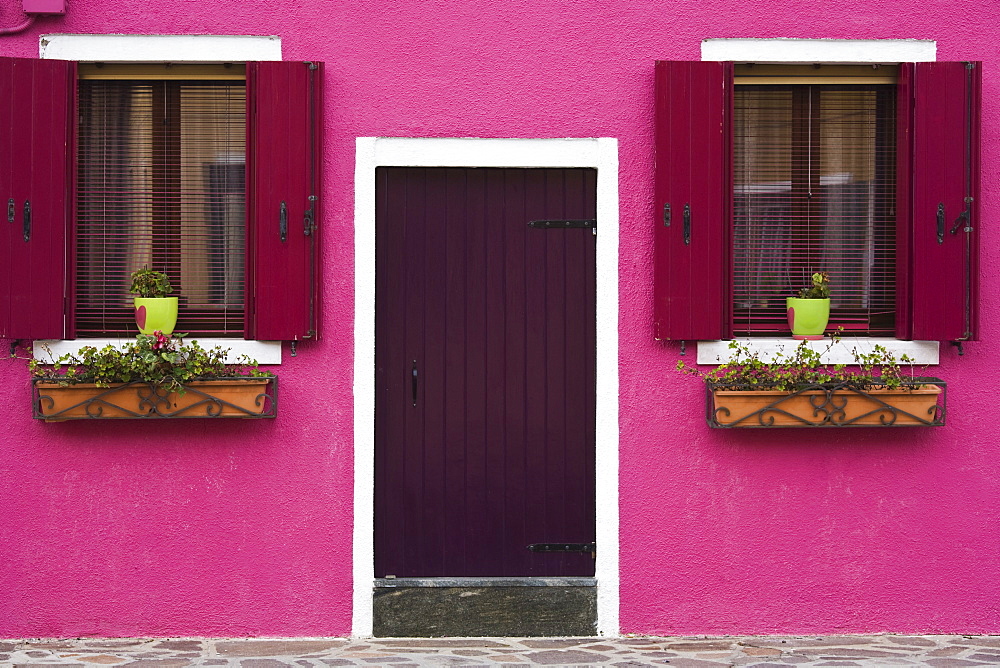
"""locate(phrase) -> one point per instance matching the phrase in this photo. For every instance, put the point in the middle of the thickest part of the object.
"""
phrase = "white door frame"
(598, 153)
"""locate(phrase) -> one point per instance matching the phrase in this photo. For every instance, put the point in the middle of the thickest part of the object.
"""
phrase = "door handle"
(413, 382)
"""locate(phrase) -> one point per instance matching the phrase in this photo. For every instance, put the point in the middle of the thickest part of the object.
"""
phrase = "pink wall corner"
(245, 528)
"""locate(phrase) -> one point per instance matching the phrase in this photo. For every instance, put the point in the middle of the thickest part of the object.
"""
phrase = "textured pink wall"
(245, 529)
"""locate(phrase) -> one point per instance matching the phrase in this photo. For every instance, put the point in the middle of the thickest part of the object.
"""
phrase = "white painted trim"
(160, 48)
(834, 352)
(265, 352)
(602, 154)
(820, 50)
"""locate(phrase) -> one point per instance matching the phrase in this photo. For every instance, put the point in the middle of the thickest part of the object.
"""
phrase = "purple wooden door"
(485, 354)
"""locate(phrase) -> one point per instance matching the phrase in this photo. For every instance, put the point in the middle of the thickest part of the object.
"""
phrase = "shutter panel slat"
(283, 110)
(690, 263)
(945, 170)
(37, 149)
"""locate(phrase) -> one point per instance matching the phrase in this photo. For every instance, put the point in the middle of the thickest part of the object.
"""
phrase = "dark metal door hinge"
(562, 224)
(563, 547)
(310, 217)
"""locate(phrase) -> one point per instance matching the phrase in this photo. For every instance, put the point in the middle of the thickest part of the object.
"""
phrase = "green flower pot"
(807, 318)
(156, 313)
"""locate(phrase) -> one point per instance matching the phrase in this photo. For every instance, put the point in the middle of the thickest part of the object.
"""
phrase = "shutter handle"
(283, 221)
(413, 382)
(940, 222)
(687, 224)
(10, 210)
(666, 214)
(26, 218)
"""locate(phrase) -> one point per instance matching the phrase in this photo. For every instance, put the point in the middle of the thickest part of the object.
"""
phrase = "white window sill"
(922, 352)
(265, 352)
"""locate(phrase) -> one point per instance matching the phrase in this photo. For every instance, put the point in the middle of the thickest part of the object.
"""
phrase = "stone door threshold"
(395, 583)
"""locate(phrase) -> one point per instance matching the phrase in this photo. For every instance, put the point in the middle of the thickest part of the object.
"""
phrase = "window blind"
(161, 183)
(814, 190)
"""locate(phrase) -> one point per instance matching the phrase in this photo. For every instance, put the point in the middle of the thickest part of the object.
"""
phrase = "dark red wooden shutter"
(283, 146)
(36, 157)
(944, 234)
(691, 257)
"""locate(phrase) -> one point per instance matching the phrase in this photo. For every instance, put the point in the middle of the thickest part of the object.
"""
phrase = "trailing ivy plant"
(804, 367)
(149, 283)
(164, 361)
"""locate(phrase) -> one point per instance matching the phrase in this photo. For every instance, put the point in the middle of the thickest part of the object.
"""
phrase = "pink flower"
(161, 340)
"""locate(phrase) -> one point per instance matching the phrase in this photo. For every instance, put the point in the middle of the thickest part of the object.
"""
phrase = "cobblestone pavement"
(681, 652)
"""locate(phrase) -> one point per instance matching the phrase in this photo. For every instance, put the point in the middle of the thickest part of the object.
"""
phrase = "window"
(765, 174)
(199, 171)
(161, 183)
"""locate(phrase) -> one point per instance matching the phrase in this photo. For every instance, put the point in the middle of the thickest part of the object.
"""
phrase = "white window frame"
(162, 48)
(832, 51)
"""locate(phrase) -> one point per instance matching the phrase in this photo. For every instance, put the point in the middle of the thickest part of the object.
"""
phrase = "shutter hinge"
(970, 66)
(309, 223)
(311, 65)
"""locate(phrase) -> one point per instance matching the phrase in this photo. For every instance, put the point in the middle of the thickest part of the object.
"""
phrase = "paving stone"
(8, 646)
(685, 662)
(761, 651)
(439, 642)
(556, 643)
(839, 663)
(162, 663)
(180, 645)
(981, 641)
(263, 663)
(35, 664)
(913, 641)
(564, 657)
(983, 656)
(290, 647)
(946, 651)
(952, 663)
(699, 646)
(102, 659)
(864, 653)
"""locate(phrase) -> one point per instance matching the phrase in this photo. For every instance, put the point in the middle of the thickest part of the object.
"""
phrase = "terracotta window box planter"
(920, 402)
(240, 397)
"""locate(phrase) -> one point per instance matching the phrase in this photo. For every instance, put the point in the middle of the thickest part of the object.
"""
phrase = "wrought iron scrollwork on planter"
(236, 397)
(916, 402)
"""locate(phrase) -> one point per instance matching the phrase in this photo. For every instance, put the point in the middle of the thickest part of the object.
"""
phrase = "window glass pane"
(161, 183)
(813, 191)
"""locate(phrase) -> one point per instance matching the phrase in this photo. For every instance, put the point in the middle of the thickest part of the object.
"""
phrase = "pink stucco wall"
(245, 528)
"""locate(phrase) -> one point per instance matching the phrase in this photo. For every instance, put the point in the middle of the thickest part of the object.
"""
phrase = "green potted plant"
(799, 390)
(148, 377)
(809, 313)
(154, 310)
